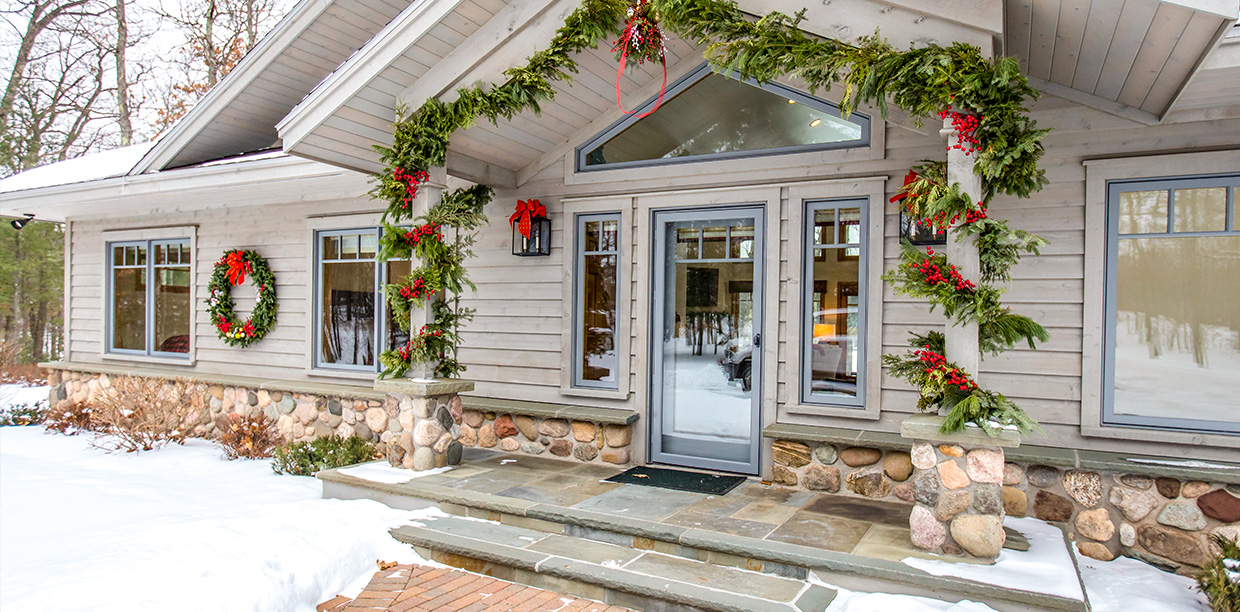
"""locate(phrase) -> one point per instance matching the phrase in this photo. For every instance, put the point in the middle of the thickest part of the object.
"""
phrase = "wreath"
(230, 271)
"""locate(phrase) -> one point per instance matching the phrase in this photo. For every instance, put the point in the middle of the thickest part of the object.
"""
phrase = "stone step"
(781, 559)
(617, 575)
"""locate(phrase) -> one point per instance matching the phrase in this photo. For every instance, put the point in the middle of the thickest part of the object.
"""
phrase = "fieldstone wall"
(581, 441)
(958, 506)
(1163, 521)
(429, 428)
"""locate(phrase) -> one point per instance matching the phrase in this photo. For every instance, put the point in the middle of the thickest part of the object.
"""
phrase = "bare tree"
(124, 120)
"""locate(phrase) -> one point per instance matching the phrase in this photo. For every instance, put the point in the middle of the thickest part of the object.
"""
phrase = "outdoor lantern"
(531, 229)
(918, 234)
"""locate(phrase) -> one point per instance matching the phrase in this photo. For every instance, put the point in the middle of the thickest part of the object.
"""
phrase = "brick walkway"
(427, 589)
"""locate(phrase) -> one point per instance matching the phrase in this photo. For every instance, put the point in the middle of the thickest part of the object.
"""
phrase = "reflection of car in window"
(737, 361)
(833, 351)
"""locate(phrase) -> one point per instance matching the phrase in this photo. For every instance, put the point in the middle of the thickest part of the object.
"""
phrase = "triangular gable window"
(708, 116)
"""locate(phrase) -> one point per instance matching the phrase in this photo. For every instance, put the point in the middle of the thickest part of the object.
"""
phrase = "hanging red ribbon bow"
(237, 267)
(644, 40)
(909, 179)
(526, 211)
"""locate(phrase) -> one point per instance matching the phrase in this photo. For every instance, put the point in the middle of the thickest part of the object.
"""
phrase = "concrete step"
(617, 575)
(699, 545)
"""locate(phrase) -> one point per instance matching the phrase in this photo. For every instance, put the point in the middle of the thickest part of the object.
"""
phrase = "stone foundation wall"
(575, 440)
(1163, 521)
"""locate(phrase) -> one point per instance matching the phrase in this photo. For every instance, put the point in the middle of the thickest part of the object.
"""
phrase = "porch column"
(430, 422)
(961, 340)
(429, 194)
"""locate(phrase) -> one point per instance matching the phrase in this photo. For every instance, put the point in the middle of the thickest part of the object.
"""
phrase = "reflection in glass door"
(706, 343)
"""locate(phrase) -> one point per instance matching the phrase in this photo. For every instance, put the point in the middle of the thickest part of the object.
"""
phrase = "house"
(712, 296)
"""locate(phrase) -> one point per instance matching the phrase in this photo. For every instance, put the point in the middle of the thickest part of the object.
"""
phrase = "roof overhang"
(342, 120)
(1131, 58)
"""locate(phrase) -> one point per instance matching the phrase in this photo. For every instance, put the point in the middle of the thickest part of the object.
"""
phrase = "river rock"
(1084, 487)
(826, 454)
(1136, 504)
(376, 419)
(486, 436)
(1095, 524)
(1193, 489)
(444, 416)
(510, 444)
(784, 476)
(531, 447)
(423, 458)
(527, 426)
(1012, 474)
(363, 431)
(473, 418)
(1127, 534)
(952, 450)
(617, 436)
(822, 478)
(898, 466)
(561, 447)
(1167, 487)
(504, 426)
(988, 499)
(469, 435)
(980, 535)
(926, 532)
(556, 428)
(618, 456)
(1015, 502)
(1173, 544)
(457, 409)
(1094, 550)
(985, 465)
(584, 431)
(859, 456)
(952, 476)
(1042, 475)
(926, 488)
(1183, 515)
(903, 491)
(585, 452)
(951, 503)
(789, 453)
(870, 483)
(426, 432)
(1050, 507)
(922, 456)
(1220, 506)
(1137, 481)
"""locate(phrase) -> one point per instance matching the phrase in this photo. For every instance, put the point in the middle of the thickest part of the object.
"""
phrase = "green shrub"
(1220, 578)
(307, 457)
(23, 414)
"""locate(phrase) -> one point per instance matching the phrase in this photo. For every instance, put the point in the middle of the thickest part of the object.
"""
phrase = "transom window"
(149, 297)
(1173, 324)
(711, 116)
(354, 323)
(834, 284)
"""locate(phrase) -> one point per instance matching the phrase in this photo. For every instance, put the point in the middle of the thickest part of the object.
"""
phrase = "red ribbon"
(624, 56)
(236, 267)
(909, 179)
(526, 211)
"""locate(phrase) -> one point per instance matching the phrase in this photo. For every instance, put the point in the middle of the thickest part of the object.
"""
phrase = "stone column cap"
(926, 427)
(424, 387)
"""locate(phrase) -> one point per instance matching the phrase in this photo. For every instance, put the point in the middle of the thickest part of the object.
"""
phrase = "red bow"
(909, 179)
(237, 266)
(526, 211)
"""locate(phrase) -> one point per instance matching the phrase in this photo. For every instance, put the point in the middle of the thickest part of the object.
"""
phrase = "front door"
(706, 360)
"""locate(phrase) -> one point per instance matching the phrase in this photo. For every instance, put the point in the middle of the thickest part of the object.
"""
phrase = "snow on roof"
(90, 167)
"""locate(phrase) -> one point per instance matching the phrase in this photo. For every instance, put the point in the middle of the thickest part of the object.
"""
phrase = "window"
(833, 319)
(354, 324)
(1173, 285)
(596, 360)
(149, 294)
(711, 116)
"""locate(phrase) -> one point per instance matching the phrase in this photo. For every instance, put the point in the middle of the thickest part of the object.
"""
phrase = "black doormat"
(678, 480)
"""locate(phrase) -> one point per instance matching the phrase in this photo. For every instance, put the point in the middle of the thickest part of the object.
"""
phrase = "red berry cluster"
(415, 291)
(973, 216)
(415, 234)
(951, 376)
(423, 334)
(410, 180)
(642, 38)
(929, 267)
(965, 125)
(223, 324)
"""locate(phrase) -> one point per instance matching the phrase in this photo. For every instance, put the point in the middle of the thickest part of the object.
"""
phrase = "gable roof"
(239, 114)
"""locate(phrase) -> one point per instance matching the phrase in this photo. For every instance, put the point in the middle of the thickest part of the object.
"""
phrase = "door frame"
(758, 367)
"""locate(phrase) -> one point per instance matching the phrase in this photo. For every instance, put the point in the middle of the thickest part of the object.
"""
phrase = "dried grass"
(141, 414)
(249, 437)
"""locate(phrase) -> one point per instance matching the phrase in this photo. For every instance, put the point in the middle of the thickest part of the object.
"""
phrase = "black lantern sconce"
(918, 234)
(531, 229)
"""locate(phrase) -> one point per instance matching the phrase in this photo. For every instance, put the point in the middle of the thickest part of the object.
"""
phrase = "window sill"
(168, 361)
(1142, 434)
(869, 414)
(599, 393)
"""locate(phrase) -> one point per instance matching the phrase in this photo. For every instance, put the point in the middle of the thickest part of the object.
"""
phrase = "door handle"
(757, 340)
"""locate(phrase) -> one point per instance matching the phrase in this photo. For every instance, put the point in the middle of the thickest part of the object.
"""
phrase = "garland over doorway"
(985, 99)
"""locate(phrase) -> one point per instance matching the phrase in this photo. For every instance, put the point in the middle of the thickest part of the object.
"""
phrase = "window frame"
(579, 255)
(808, 246)
(1231, 227)
(580, 152)
(381, 307)
(149, 352)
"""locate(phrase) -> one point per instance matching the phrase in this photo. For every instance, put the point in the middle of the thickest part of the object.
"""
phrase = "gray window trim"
(688, 80)
(807, 295)
(579, 298)
(109, 312)
(381, 308)
(1171, 184)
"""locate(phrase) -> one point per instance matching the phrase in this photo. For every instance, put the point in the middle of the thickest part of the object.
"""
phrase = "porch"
(557, 525)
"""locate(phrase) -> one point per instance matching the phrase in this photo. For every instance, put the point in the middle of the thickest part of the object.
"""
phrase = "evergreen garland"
(989, 96)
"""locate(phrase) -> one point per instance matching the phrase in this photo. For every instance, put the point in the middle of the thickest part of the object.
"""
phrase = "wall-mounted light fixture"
(18, 224)
(531, 229)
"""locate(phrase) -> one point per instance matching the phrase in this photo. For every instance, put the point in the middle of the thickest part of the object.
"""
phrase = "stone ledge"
(190, 375)
(424, 388)
(1121, 463)
(926, 427)
(610, 416)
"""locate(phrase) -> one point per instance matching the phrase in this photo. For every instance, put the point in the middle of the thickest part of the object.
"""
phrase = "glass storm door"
(705, 344)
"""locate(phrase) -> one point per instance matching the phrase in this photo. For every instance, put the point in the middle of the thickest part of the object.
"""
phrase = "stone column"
(429, 194)
(957, 488)
(961, 340)
(430, 422)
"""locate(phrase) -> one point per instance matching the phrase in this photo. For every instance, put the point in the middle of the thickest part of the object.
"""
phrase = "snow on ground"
(175, 529)
(90, 167)
(1128, 585)
(382, 471)
(17, 395)
(850, 601)
(1045, 568)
